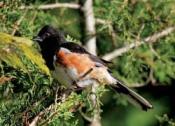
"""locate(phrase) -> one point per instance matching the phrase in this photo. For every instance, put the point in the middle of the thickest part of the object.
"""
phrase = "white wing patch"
(65, 50)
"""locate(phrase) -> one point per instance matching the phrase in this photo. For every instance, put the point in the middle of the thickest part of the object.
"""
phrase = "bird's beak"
(37, 39)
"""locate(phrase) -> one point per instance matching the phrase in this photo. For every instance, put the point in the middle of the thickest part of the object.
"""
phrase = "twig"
(85, 116)
(25, 119)
(90, 26)
(151, 39)
(16, 26)
(1, 4)
(56, 95)
(110, 28)
(60, 98)
(101, 21)
(54, 113)
(33, 18)
(4, 79)
(36, 119)
(137, 85)
(53, 6)
(112, 33)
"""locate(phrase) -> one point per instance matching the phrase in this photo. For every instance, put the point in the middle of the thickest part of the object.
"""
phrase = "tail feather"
(142, 102)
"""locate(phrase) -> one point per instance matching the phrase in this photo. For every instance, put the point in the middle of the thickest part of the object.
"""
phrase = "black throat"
(48, 50)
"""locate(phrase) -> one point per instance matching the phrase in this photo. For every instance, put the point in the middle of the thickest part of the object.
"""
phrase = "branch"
(17, 24)
(53, 6)
(101, 21)
(137, 85)
(95, 121)
(36, 119)
(151, 39)
(91, 47)
(1, 4)
(111, 30)
(90, 26)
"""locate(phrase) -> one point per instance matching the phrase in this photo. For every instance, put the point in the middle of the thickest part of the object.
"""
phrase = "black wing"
(73, 47)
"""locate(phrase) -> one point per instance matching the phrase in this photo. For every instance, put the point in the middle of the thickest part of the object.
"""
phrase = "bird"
(73, 66)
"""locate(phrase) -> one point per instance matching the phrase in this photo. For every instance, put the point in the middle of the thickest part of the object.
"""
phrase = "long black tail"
(142, 102)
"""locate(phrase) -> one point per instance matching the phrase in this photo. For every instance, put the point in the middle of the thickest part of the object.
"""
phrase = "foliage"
(13, 49)
(26, 88)
(165, 121)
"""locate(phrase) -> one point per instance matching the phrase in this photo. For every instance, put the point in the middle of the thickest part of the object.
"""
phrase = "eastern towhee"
(72, 65)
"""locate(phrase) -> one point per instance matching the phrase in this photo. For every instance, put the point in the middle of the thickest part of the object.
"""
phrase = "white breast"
(61, 75)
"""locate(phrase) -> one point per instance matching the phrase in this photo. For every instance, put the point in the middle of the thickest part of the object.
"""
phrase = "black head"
(49, 33)
(49, 40)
